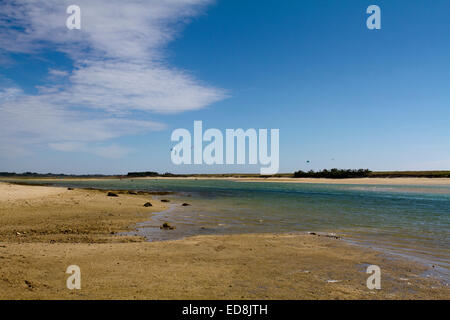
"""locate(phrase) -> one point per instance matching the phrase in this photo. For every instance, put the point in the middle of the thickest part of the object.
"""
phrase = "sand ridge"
(13, 192)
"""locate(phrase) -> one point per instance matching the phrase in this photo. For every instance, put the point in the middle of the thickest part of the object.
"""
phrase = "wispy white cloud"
(119, 68)
(118, 87)
(33, 120)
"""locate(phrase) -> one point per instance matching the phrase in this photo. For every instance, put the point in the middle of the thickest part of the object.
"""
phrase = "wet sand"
(41, 235)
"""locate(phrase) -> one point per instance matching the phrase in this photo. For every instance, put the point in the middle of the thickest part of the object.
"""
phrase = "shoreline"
(408, 181)
(350, 181)
(56, 229)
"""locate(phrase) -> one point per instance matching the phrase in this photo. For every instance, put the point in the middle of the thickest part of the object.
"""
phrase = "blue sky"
(105, 99)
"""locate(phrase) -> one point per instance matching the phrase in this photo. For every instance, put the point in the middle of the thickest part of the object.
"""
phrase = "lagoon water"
(413, 221)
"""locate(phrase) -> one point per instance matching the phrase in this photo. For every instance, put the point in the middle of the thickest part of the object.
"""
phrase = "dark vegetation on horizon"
(366, 173)
(153, 174)
(50, 175)
(334, 174)
(330, 174)
(63, 175)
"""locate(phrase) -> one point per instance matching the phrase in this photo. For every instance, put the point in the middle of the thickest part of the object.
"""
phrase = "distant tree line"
(151, 174)
(334, 173)
(142, 174)
(62, 175)
(48, 175)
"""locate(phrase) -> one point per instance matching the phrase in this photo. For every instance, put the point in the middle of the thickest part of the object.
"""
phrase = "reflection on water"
(409, 220)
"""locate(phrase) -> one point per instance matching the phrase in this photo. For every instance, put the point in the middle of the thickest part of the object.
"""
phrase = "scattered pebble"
(148, 204)
(167, 226)
(112, 194)
(29, 284)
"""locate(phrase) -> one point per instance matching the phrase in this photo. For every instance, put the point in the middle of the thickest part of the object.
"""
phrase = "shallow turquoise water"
(408, 220)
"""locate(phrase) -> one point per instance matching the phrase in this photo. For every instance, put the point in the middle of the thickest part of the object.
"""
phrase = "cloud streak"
(118, 69)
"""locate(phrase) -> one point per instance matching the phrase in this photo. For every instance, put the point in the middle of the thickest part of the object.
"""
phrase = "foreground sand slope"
(40, 238)
(208, 267)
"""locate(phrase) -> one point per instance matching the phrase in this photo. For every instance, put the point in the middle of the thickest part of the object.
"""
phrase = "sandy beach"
(363, 181)
(43, 230)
